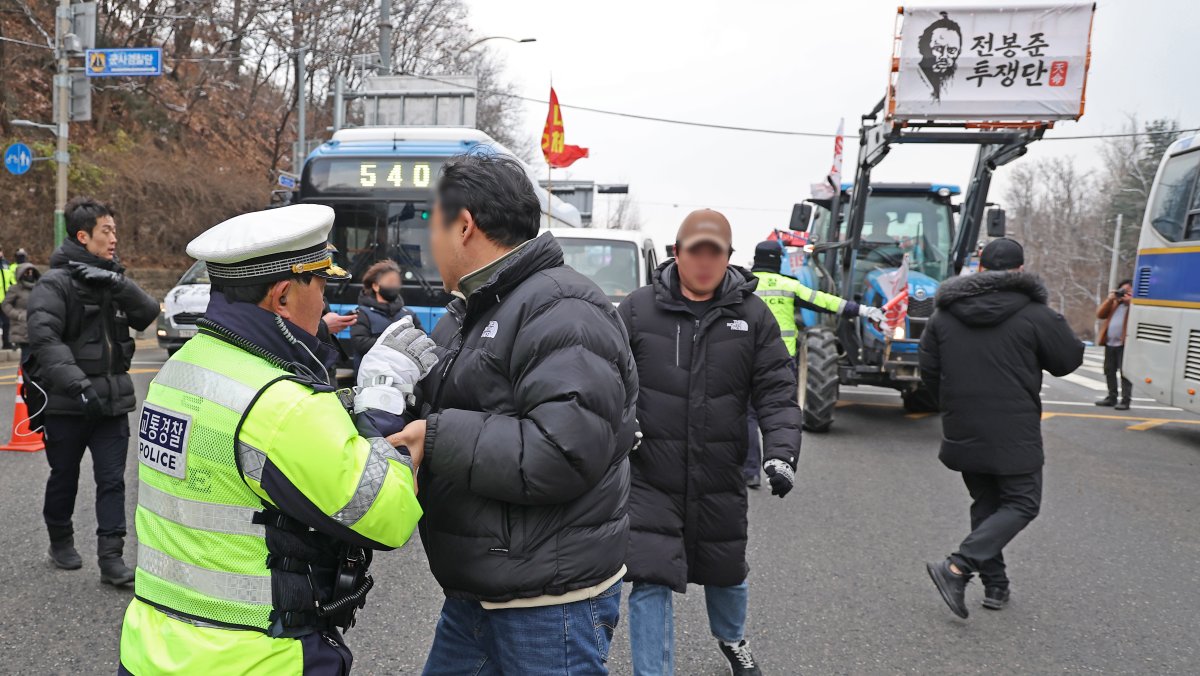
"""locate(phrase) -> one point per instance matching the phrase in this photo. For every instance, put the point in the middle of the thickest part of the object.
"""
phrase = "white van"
(619, 261)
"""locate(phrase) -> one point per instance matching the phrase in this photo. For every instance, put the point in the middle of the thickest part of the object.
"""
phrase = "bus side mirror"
(670, 250)
(995, 223)
(801, 216)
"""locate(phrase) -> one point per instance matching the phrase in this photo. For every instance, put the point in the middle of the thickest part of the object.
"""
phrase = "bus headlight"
(898, 334)
(943, 192)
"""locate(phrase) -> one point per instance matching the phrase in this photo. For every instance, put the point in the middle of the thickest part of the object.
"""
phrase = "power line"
(757, 130)
(1125, 135)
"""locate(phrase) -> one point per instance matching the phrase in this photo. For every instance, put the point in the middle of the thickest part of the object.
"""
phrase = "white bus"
(1162, 349)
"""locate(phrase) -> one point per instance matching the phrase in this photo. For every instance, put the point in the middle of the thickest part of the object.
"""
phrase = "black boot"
(62, 548)
(1123, 406)
(112, 567)
(952, 586)
(1110, 400)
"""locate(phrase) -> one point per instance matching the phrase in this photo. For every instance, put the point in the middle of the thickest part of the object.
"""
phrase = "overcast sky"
(784, 65)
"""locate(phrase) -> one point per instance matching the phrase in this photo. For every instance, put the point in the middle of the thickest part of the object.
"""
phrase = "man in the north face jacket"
(705, 346)
(529, 419)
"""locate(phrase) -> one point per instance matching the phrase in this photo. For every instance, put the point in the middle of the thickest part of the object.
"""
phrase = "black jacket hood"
(988, 298)
(71, 251)
(737, 284)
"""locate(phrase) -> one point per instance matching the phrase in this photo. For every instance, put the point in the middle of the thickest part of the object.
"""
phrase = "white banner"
(1023, 63)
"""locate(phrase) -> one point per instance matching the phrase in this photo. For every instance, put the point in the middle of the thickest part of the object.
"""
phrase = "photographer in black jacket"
(79, 315)
(982, 355)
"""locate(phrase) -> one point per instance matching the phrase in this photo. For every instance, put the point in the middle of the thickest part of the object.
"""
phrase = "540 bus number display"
(370, 174)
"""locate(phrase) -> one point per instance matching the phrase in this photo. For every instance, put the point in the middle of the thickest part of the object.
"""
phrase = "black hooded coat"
(687, 507)
(982, 356)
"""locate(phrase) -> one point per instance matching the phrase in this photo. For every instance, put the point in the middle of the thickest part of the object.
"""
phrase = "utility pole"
(385, 37)
(62, 116)
(301, 110)
(1116, 255)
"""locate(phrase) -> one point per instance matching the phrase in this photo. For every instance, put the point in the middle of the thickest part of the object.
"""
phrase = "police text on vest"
(162, 440)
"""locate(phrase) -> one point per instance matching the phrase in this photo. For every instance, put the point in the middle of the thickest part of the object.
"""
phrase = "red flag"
(895, 286)
(554, 148)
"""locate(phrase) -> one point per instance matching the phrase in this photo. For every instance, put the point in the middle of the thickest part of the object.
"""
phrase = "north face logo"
(492, 327)
(738, 325)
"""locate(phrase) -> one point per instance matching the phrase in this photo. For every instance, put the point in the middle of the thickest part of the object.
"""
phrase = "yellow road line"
(1140, 424)
(11, 380)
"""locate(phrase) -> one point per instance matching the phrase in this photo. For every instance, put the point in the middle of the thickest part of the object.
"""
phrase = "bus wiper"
(413, 268)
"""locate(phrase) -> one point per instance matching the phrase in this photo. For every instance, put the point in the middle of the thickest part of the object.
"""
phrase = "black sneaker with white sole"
(995, 598)
(741, 661)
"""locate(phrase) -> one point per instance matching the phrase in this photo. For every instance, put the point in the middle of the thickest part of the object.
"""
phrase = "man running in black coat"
(982, 355)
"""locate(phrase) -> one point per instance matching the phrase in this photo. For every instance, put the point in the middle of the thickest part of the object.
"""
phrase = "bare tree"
(625, 216)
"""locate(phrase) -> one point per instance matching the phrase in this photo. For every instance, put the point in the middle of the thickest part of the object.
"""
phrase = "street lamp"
(37, 125)
(480, 41)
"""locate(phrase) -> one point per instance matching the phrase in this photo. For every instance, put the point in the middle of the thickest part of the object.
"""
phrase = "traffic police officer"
(261, 496)
(783, 295)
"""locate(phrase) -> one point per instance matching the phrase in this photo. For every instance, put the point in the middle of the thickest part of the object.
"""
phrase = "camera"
(1120, 293)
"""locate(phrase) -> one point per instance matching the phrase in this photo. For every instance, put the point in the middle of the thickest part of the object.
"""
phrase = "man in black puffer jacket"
(79, 317)
(529, 419)
(982, 356)
(705, 346)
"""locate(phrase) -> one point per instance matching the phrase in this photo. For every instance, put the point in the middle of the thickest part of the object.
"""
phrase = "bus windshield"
(366, 232)
(611, 264)
(917, 225)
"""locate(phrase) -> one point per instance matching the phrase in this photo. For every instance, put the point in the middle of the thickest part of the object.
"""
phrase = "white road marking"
(1088, 403)
(1085, 382)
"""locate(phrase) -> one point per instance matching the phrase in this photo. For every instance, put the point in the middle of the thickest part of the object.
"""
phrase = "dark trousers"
(1002, 505)
(1112, 364)
(7, 327)
(108, 439)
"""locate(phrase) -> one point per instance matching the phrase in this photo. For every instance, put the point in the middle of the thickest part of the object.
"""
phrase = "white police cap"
(267, 246)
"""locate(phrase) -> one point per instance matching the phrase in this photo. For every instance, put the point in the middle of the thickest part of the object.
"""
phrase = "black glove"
(90, 274)
(781, 476)
(92, 406)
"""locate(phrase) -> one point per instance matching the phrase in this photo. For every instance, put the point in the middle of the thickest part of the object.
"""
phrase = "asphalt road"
(1105, 581)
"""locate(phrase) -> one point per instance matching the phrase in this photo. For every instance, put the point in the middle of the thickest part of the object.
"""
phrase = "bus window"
(611, 264)
(1169, 212)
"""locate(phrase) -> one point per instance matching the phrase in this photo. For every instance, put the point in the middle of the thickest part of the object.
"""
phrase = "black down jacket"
(688, 502)
(79, 333)
(982, 355)
(530, 414)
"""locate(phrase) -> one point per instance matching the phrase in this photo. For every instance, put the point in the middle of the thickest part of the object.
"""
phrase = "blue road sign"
(287, 181)
(139, 61)
(18, 158)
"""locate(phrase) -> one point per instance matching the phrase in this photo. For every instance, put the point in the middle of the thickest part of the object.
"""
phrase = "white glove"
(875, 314)
(401, 357)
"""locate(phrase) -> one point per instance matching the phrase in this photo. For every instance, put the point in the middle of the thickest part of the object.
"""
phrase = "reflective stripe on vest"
(788, 333)
(208, 516)
(206, 384)
(217, 584)
(774, 292)
(370, 481)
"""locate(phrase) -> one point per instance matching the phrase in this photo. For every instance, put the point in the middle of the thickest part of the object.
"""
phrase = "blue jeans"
(572, 638)
(652, 623)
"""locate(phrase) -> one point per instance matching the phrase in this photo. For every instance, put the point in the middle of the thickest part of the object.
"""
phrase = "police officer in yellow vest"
(786, 296)
(261, 497)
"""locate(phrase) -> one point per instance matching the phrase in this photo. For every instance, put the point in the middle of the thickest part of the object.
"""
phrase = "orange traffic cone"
(28, 441)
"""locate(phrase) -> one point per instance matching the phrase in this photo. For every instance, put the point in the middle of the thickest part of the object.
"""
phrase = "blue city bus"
(379, 182)
(1162, 345)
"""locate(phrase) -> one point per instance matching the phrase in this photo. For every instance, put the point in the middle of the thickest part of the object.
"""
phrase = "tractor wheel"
(919, 400)
(818, 365)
